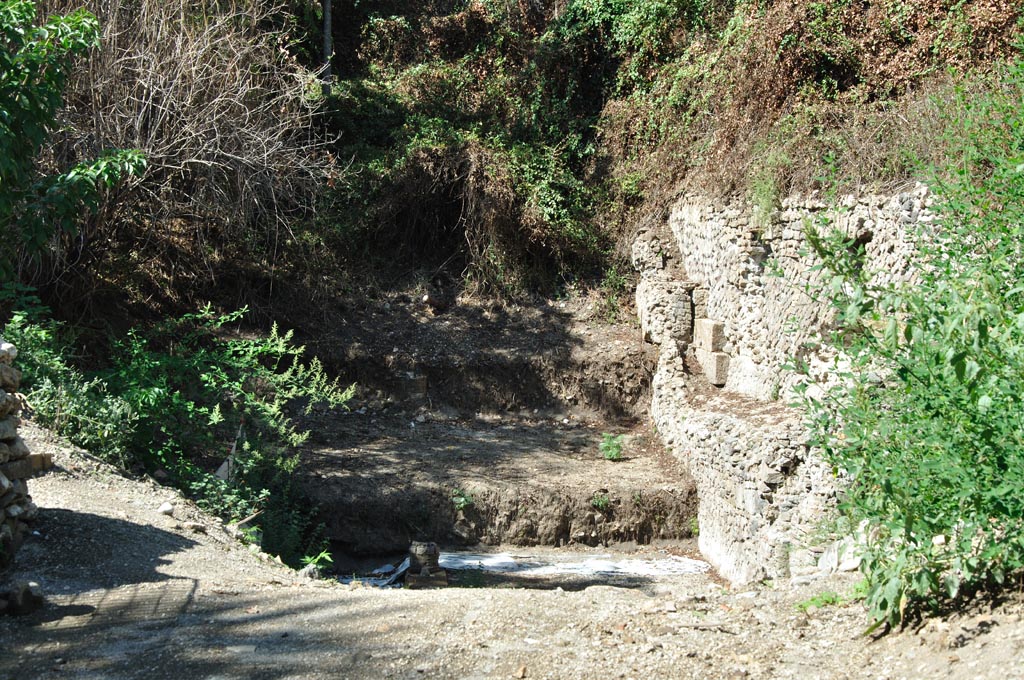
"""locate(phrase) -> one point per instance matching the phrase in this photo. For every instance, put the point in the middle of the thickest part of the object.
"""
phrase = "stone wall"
(725, 297)
(16, 463)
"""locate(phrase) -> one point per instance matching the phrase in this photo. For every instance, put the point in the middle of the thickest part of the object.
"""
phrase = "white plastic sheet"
(596, 565)
(386, 576)
(389, 576)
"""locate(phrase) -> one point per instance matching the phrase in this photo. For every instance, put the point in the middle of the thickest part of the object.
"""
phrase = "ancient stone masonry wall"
(725, 299)
(16, 464)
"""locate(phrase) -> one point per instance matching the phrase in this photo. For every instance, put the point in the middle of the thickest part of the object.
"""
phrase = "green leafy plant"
(611, 446)
(461, 499)
(601, 502)
(321, 559)
(35, 63)
(831, 598)
(824, 599)
(179, 397)
(614, 286)
(924, 420)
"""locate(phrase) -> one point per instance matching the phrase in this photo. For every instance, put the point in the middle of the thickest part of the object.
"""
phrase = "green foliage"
(615, 287)
(600, 502)
(63, 397)
(193, 388)
(611, 446)
(926, 423)
(179, 397)
(824, 599)
(35, 62)
(321, 559)
(831, 598)
(639, 32)
(461, 499)
(478, 154)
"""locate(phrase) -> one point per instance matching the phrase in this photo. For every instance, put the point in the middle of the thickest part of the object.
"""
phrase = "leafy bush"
(474, 154)
(35, 65)
(461, 499)
(926, 423)
(180, 397)
(61, 396)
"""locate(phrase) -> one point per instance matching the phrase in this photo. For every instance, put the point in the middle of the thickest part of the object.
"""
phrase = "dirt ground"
(386, 479)
(132, 593)
(575, 355)
(483, 423)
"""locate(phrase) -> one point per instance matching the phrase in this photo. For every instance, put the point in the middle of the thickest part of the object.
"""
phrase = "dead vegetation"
(794, 97)
(223, 114)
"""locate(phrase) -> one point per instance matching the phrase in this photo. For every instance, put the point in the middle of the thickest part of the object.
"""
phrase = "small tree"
(34, 65)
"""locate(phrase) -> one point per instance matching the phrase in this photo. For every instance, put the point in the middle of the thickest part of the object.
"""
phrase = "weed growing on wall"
(926, 424)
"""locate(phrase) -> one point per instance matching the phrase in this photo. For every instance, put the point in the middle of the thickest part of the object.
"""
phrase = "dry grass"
(223, 115)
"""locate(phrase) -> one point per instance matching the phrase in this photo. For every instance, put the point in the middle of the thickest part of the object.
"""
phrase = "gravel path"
(132, 593)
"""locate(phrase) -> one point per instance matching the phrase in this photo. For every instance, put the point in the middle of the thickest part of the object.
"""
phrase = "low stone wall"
(726, 301)
(16, 463)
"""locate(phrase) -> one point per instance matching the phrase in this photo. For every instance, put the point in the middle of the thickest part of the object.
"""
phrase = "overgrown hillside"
(510, 145)
(521, 142)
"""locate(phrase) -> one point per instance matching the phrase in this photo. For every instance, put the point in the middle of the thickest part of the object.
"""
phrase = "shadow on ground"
(74, 552)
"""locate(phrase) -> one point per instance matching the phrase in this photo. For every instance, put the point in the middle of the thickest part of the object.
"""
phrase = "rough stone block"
(9, 428)
(709, 335)
(10, 378)
(8, 404)
(648, 253)
(17, 449)
(8, 352)
(664, 307)
(749, 501)
(26, 467)
(700, 302)
(715, 365)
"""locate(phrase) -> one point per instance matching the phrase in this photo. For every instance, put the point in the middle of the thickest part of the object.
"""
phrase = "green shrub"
(927, 424)
(35, 63)
(179, 397)
(461, 499)
(60, 395)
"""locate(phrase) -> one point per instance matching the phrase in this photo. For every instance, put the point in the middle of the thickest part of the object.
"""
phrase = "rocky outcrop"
(721, 388)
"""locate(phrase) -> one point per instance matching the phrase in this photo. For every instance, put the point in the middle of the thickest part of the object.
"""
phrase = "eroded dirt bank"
(481, 423)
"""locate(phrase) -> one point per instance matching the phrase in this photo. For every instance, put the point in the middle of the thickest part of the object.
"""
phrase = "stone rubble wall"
(17, 510)
(720, 390)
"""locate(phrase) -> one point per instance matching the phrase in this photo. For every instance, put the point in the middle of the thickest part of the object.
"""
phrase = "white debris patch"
(598, 565)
